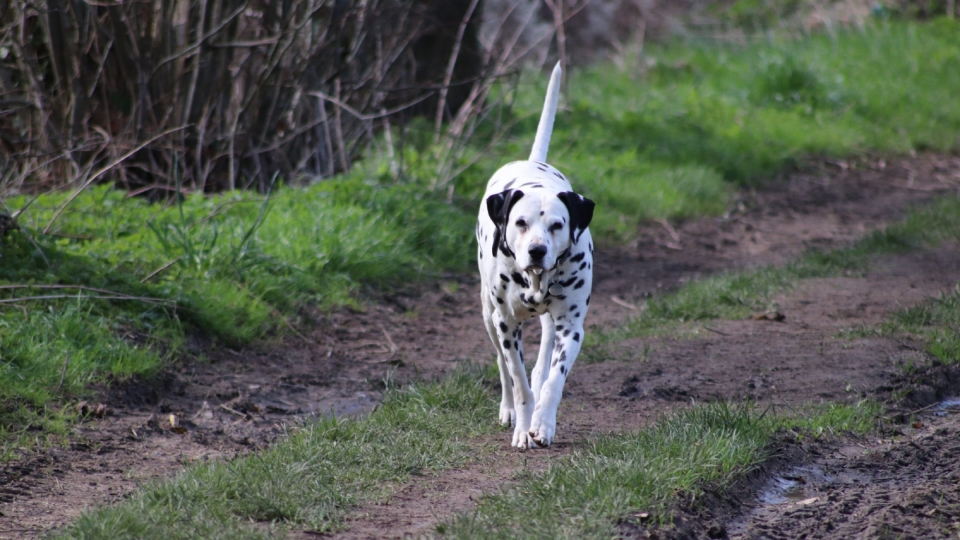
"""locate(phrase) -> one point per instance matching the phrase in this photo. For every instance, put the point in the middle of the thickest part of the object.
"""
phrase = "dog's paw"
(508, 416)
(542, 432)
(523, 440)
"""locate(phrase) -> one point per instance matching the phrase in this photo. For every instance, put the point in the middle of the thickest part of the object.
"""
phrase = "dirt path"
(237, 401)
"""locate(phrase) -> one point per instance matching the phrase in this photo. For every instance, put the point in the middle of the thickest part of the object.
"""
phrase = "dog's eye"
(556, 227)
(521, 223)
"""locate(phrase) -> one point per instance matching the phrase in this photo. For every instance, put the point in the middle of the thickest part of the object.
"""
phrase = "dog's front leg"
(511, 347)
(540, 370)
(507, 412)
(543, 425)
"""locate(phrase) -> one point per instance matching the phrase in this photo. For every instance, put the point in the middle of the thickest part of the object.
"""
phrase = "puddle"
(793, 486)
(947, 406)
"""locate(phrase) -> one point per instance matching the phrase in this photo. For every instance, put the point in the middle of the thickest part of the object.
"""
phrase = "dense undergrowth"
(667, 133)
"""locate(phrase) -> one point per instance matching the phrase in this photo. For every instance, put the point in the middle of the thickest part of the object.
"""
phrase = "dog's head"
(536, 227)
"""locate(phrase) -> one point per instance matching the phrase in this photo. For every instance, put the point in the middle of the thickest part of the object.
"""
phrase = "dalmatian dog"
(536, 260)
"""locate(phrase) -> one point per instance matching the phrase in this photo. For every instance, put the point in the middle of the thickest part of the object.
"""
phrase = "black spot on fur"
(541, 212)
(591, 247)
(573, 307)
(560, 358)
(506, 344)
(579, 284)
(578, 257)
(560, 273)
(576, 337)
(575, 315)
(568, 282)
(499, 300)
(518, 279)
(509, 184)
(582, 265)
(561, 297)
(588, 300)
(542, 169)
(563, 370)
(503, 326)
(504, 278)
(559, 327)
(558, 175)
(516, 345)
(566, 333)
(549, 301)
(532, 310)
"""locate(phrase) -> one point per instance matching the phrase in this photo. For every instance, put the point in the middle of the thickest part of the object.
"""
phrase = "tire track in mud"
(239, 401)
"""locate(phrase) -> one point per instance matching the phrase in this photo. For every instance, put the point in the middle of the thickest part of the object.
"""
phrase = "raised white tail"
(541, 144)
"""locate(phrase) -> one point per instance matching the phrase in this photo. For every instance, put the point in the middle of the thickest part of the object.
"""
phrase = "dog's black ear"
(498, 208)
(580, 209)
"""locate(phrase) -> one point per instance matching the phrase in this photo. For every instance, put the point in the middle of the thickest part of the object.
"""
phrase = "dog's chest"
(513, 290)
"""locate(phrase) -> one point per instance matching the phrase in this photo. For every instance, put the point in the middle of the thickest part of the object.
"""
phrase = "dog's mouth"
(534, 269)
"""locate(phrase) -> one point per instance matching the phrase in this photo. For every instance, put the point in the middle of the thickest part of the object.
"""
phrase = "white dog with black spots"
(536, 260)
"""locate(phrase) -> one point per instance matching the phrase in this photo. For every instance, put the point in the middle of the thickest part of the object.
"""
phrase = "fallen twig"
(245, 416)
(673, 232)
(393, 346)
(161, 269)
(616, 300)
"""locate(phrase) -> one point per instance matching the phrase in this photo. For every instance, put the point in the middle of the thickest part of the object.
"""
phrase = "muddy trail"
(236, 401)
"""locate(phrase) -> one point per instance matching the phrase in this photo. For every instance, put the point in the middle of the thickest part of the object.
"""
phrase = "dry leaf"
(811, 500)
(774, 316)
(917, 425)
(97, 411)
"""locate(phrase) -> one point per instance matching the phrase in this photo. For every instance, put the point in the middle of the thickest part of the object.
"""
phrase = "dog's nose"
(537, 251)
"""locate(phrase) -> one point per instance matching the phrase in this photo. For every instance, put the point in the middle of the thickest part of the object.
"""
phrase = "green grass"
(935, 322)
(672, 131)
(314, 478)
(740, 294)
(322, 472)
(229, 266)
(618, 475)
(666, 134)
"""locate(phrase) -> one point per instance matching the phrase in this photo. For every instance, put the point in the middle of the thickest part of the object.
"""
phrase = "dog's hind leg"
(539, 375)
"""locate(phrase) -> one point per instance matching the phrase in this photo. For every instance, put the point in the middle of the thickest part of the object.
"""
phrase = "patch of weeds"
(312, 479)
(118, 281)
(585, 494)
(935, 322)
(737, 295)
(670, 131)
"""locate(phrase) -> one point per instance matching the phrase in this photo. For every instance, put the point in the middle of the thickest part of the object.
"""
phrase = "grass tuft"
(737, 295)
(586, 494)
(314, 478)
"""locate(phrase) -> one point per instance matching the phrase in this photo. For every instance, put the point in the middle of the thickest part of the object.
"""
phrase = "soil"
(232, 402)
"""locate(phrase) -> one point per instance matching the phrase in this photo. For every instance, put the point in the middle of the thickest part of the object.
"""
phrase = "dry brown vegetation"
(222, 93)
